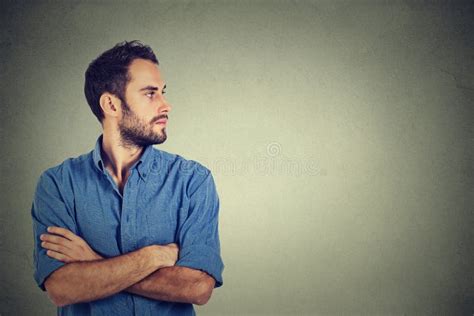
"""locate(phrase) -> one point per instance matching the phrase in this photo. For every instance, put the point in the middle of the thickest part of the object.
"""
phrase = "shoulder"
(67, 169)
(189, 171)
(179, 164)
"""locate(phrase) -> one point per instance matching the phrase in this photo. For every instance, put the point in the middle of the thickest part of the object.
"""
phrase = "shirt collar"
(97, 156)
(143, 164)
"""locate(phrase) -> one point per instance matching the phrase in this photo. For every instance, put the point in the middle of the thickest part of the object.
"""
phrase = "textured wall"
(339, 135)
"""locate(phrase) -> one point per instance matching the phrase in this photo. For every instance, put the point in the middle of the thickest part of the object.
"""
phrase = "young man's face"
(145, 110)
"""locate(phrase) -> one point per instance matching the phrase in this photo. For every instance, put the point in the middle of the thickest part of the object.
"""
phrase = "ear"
(110, 104)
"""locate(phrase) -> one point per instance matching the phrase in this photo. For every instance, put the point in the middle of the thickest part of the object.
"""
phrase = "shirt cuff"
(205, 258)
(44, 270)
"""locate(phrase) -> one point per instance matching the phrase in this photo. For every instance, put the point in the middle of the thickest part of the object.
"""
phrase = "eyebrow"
(152, 88)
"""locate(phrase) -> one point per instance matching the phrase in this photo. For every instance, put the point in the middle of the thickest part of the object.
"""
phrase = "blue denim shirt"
(166, 199)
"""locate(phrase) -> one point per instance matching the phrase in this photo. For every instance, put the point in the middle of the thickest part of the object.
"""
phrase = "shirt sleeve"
(198, 236)
(49, 209)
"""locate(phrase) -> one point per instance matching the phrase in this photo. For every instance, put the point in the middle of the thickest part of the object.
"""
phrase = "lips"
(162, 121)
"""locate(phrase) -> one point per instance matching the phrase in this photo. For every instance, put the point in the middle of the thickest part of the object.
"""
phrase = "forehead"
(143, 72)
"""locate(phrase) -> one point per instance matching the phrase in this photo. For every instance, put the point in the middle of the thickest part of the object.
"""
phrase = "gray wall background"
(339, 134)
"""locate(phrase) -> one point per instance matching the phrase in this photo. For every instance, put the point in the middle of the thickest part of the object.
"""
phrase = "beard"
(136, 132)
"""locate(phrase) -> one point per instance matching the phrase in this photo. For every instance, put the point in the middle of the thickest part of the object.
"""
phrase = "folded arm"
(176, 284)
(85, 281)
(91, 277)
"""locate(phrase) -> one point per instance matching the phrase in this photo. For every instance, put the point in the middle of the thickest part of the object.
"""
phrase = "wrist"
(155, 256)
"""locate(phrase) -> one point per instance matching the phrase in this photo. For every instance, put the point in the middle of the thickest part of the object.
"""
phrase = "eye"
(150, 94)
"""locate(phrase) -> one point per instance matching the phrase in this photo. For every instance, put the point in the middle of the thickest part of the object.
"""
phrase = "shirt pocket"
(161, 224)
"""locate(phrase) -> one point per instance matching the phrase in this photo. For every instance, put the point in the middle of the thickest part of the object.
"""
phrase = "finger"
(58, 256)
(55, 239)
(63, 232)
(55, 247)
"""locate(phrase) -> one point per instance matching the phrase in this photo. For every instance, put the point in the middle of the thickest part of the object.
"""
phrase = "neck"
(118, 158)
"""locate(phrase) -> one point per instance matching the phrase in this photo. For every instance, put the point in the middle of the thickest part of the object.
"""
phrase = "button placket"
(130, 210)
(127, 232)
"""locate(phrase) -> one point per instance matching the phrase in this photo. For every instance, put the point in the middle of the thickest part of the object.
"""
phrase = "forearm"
(87, 281)
(176, 284)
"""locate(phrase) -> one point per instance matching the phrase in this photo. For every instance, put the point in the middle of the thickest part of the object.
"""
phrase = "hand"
(65, 246)
(167, 254)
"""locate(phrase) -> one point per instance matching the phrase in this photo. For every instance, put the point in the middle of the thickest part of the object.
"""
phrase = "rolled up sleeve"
(199, 235)
(48, 209)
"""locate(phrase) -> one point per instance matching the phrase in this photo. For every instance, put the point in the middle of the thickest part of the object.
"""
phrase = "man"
(127, 229)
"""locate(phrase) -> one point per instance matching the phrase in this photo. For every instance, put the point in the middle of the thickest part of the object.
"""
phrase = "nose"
(164, 106)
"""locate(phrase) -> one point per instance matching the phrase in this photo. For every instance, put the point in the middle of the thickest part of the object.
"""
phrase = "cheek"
(146, 108)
